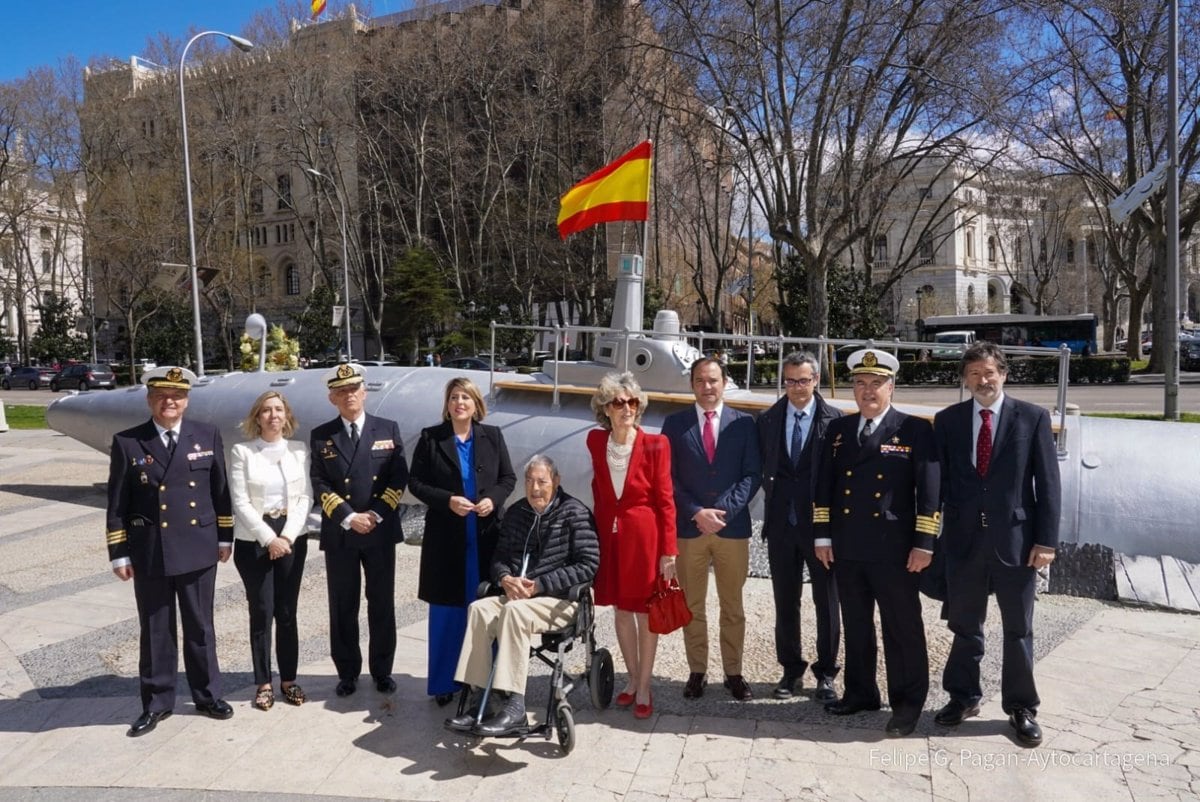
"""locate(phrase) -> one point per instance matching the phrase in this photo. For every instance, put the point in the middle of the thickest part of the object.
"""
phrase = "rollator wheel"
(600, 679)
(564, 726)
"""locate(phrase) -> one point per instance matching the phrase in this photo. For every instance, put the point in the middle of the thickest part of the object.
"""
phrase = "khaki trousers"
(512, 625)
(730, 561)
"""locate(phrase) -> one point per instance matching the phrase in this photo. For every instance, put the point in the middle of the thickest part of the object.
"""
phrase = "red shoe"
(644, 711)
(624, 699)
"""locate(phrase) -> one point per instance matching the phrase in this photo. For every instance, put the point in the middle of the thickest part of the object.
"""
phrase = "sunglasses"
(619, 403)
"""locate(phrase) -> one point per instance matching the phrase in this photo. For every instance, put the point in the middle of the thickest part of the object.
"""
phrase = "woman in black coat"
(461, 471)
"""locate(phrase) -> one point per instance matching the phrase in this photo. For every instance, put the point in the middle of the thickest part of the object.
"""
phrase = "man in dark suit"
(875, 515)
(1002, 499)
(169, 521)
(789, 437)
(715, 469)
(358, 475)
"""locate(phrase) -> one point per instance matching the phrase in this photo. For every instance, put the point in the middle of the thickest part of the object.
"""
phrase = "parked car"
(378, 363)
(84, 376)
(475, 363)
(27, 378)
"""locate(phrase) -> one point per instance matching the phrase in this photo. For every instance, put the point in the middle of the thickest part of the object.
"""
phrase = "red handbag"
(667, 608)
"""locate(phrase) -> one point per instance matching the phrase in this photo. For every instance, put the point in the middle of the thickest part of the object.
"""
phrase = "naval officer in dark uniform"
(875, 514)
(358, 476)
(169, 521)
(789, 436)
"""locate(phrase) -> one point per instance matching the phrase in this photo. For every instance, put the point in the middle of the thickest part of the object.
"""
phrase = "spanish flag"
(618, 191)
(317, 7)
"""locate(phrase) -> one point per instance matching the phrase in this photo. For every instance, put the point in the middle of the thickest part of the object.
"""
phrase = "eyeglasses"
(619, 403)
(797, 382)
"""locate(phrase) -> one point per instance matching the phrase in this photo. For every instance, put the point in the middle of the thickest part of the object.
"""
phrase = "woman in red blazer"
(635, 520)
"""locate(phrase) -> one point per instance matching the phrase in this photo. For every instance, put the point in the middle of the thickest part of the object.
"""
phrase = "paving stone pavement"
(1120, 700)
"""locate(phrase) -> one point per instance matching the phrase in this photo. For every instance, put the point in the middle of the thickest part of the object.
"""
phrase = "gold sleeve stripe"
(115, 537)
(929, 524)
(329, 503)
(225, 521)
(820, 515)
(391, 497)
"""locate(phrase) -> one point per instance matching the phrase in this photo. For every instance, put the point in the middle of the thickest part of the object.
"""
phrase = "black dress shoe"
(385, 684)
(217, 708)
(898, 727)
(146, 722)
(953, 713)
(738, 688)
(444, 699)
(1028, 731)
(848, 708)
(505, 722)
(695, 686)
(786, 688)
(825, 691)
(345, 687)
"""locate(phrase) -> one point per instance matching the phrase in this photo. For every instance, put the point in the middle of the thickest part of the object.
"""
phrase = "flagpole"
(646, 224)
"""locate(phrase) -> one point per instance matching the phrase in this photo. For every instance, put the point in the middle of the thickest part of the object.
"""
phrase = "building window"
(971, 299)
(991, 250)
(970, 243)
(1092, 253)
(264, 281)
(925, 249)
(47, 261)
(1070, 251)
(881, 250)
(256, 203)
(292, 274)
(1018, 257)
(925, 193)
(283, 185)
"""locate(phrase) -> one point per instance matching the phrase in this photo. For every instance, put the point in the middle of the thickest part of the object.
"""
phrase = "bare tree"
(831, 100)
(1099, 114)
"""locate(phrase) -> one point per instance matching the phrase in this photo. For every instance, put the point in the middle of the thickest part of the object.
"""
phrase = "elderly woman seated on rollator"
(547, 545)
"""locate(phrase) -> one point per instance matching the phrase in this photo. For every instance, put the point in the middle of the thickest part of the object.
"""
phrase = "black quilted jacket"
(560, 543)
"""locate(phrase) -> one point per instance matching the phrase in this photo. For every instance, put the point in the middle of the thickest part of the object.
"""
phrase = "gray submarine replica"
(1131, 506)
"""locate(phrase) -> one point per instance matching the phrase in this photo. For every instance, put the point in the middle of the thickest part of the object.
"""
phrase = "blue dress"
(448, 623)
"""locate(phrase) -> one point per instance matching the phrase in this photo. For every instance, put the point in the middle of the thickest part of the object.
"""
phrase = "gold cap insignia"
(868, 360)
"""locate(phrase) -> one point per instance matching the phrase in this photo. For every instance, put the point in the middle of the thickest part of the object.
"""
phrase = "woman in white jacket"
(272, 495)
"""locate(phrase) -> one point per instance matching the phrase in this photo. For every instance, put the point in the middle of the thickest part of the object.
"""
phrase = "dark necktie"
(867, 428)
(983, 446)
(710, 436)
(797, 437)
(170, 441)
(354, 433)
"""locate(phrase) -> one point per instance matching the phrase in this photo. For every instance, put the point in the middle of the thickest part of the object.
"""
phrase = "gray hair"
(799, 358)
(542, 461)
(609, 388)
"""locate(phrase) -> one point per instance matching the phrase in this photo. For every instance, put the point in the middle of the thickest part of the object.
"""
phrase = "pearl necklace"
(618, 454)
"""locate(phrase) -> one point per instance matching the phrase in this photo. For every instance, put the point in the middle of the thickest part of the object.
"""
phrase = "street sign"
(1128, 201)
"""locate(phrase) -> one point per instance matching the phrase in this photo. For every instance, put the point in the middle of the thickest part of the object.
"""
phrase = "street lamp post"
(471, 311)
(315, 173)
(920, 297)
(198, 332)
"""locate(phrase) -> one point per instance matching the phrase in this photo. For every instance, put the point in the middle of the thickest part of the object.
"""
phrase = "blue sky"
(41, 32)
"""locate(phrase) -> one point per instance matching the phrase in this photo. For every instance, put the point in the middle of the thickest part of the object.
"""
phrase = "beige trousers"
(512, 625)
(730, 561)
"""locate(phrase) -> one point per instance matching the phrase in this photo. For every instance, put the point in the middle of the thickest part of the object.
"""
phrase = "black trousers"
(788, 552)
(969, 580)
(862, 585)
(158, 661)
(345, 571)
(272, 591)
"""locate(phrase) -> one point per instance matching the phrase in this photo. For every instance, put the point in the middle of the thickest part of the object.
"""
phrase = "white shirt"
(701, 416)
(162, 433)
(977, 423)
(878, 419)
(361, 420)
